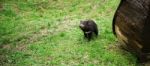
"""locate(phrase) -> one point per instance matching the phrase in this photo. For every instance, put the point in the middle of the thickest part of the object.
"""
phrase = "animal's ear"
(81, 25)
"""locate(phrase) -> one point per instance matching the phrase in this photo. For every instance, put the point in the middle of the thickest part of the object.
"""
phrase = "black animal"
(88, 27)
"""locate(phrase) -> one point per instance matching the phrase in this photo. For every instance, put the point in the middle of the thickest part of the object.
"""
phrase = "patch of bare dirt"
(66, 24)
(1, 7)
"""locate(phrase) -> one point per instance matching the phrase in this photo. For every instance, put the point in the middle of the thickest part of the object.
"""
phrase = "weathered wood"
(131, 25)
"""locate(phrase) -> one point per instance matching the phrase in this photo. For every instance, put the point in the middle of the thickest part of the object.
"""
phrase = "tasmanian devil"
(89, 28)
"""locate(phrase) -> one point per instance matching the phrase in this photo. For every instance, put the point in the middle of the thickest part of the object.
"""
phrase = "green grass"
(46, 33)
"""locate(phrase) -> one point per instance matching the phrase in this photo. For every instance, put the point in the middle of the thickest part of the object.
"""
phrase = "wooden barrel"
(131, 25)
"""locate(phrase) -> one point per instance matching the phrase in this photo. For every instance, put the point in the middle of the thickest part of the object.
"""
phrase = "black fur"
(115, 15)
(88, 27)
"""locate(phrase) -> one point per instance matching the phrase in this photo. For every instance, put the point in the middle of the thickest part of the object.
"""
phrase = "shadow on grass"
(123, 51)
